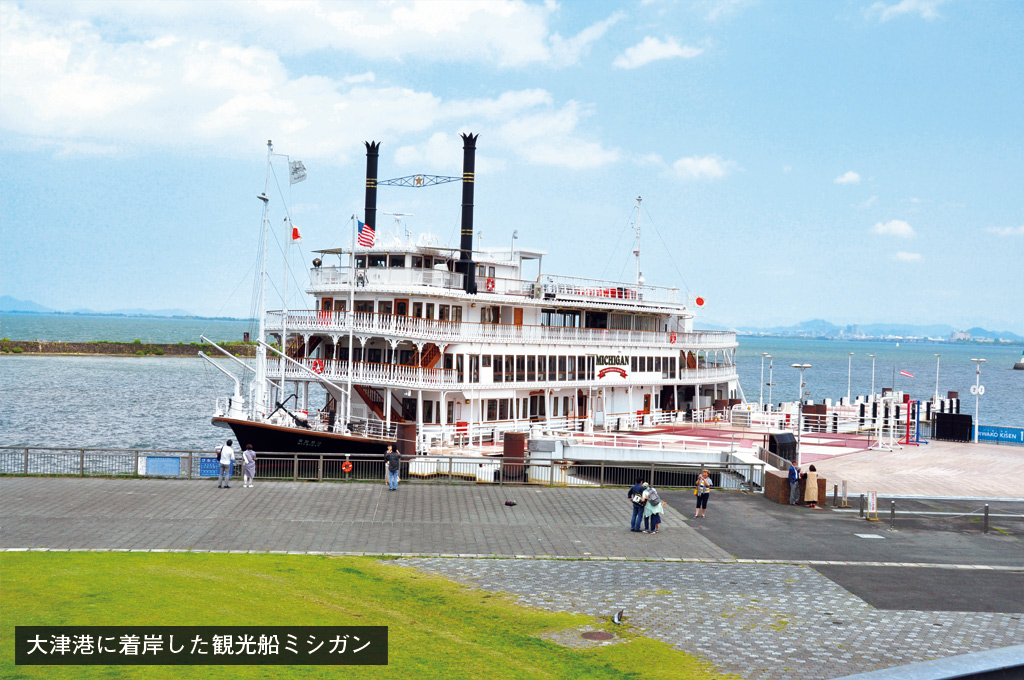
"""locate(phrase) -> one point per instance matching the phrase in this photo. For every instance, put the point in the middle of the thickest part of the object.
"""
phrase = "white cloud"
(908, 257)
(567, 51)
(926, 9)
(849, 177)
(867, 203)
(894, 228)
(1007, 231)
(652, 49)
(67, 86)
(708, 167)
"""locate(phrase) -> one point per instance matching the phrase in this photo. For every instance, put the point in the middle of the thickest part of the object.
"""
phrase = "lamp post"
(800, 410)
(977, 390)
(771, 384)
(937, 377)
(872, 376)
(760, 399)
(849, 375)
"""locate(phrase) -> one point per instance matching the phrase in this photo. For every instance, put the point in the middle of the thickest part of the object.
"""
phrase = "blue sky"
(855, 161)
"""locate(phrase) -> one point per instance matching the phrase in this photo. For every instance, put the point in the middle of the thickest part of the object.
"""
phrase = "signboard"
(872, 513)
(162, 466)
(210, 467)
(1000, 435)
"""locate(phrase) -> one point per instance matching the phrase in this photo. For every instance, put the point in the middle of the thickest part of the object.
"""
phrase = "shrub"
(158, 351)
(136, 341)
(17, 350)
(139, 352)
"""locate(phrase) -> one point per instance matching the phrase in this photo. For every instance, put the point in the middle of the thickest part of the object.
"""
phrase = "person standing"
(703, 493)
(227, 456)
(794, 484)
(811, 490)
(635, 496)
(653, 507)
(249, 468)
(393, 460)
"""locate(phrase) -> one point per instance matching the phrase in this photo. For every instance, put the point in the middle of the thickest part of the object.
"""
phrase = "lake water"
(166, 402)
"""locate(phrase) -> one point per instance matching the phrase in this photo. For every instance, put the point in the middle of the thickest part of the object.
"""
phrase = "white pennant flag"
(296, 172)
(296, 236)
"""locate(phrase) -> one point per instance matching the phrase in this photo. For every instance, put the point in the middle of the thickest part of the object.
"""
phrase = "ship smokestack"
(465, 264)
(370, 212)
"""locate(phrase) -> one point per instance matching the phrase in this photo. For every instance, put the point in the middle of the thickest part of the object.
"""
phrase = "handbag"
(638, 499)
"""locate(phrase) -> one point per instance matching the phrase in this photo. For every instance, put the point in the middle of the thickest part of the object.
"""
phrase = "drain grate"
(597, 635)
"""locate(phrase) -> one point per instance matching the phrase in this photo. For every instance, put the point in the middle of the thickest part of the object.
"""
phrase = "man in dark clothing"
(393, 460)
(794, 484)
(635, 494)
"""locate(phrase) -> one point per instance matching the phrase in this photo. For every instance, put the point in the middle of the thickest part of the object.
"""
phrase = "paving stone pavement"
(760, 621)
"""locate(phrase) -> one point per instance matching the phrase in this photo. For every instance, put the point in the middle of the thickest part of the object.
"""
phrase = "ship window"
(474, 368)
(498, 374)
(360, 261)
(481, 270)
(460, 370)
(492, 409)
(542, 368)
(428, 263)
(417, 310)
(456, 314)
(531, 369)
(377, 260)
(357, 354)
(384, 307)
(520, 368)
(442, 312)
(448, 361)
(590, 368)
(581, 368)
(647, 323)
(364, 306)
(554, 407)
(596, 320)
(672, 367)
(657, 364)
(561, 368)
(451, 412)
(620, 322)
(552, 368)
(565, 406)
(396, 261)
(509, 368)
(428, 411)
(405, 357)
(373, 355)
(632, 363)
(572, 368)
(650, 364)
(417, 261)
(429, 310)
(490, 272)
(485, 361)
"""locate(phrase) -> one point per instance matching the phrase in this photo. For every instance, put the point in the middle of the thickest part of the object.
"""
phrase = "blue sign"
(161, 466)
(210, 467)
(1000, 435)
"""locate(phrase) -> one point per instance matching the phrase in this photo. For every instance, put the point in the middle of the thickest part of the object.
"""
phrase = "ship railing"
(363, 372)
(420, 469)
(572, 287)
(447, 330)
(383, 277)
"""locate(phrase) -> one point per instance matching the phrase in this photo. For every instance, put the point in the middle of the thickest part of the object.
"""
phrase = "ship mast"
(636, 252)
(260, 396)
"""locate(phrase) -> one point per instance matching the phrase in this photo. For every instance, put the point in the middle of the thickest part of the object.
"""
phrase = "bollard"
(892, 515)
(846, 502)
(862, 506)
(984, 524)
(835, 495)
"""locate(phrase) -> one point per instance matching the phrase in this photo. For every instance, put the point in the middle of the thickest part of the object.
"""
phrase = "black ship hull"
(267, 438)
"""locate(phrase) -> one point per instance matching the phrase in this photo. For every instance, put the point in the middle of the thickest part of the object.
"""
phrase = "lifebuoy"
(672, 338)
(318, 365)
(490, 285)
(346, 466)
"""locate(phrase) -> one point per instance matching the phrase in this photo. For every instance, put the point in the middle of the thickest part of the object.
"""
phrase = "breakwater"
(137, 348)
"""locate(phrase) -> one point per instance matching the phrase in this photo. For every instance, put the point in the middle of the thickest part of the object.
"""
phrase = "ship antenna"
(398, 223)
(636, 252)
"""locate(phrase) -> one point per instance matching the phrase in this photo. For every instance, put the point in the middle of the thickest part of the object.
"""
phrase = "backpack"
(652, 496)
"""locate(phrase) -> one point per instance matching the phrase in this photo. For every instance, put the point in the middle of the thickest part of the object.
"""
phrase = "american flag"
(907, 373)
(365, 235)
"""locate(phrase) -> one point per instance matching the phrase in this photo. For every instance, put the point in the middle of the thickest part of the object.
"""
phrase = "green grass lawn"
(436, 629)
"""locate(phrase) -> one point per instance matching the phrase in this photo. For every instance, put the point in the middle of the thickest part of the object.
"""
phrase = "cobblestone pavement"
(760, 621)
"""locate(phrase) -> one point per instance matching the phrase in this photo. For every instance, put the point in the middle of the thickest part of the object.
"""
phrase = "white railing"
(448, 331)
(383, 277)
(571, 287)
(337, 371)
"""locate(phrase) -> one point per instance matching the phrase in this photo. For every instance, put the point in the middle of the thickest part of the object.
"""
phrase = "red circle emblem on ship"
(346, 466)
(318, 365)
(700, 301)
(490, 285)
(672, 338)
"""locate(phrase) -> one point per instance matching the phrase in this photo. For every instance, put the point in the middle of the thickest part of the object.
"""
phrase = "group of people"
(226, 455)
(648, 506)
(810, 490)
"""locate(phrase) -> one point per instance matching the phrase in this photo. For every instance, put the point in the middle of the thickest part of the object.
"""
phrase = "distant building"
(960, 335)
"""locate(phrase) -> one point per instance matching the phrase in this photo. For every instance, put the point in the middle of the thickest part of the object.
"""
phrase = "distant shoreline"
(119, 349)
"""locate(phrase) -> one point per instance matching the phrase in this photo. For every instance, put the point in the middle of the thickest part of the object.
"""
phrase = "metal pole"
(985, 523)
(872, 376)
(835, 495)
(937, 376)
(862, 506)
(892, 515)
(849, 377)
(760, 399)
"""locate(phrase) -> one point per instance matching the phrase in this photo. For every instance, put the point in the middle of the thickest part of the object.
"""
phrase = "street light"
(977, 391)
(771, 384)
(849, 374)
(872, 376)
(760, 399)
(937, 377)
(800, 410)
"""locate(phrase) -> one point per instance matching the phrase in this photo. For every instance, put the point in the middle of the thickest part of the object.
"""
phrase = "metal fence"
(361, 468)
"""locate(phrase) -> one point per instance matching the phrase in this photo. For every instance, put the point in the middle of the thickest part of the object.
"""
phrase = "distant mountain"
(9, 304)
(135, 312)
(819, 328)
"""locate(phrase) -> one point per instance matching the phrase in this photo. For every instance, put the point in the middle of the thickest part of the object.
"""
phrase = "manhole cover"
(597, 635)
